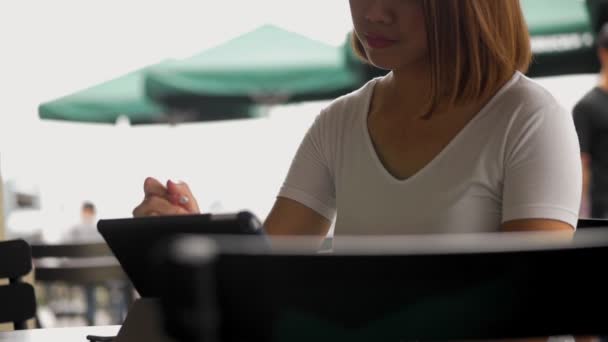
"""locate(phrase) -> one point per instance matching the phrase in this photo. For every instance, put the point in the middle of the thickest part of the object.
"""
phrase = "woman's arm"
(290, 218)
(537, 225)
(543, 176)
(287, 216)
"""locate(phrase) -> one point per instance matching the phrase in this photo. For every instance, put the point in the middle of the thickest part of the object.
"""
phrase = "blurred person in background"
(591, 120)
(455, 139)
(86, 230)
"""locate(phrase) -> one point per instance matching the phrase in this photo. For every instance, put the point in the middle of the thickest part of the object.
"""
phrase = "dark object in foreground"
(475, 287)
(17, 299)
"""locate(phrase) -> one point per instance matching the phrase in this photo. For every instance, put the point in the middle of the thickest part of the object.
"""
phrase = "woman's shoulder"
(352, 105)
(527, 111)
(527, 96)
(524, 108)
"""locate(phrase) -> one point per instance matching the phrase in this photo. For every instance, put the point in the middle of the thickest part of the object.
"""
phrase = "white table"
(58, 334)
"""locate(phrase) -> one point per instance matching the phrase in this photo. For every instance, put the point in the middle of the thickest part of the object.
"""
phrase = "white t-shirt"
(518, 158)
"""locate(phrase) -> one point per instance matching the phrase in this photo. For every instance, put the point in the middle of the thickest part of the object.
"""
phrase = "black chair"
(86, 265)
(592, 223)
(17, 299)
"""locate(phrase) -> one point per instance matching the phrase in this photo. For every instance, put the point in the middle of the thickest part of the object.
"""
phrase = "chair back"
(18, 299)
(76, 263)
(87, 265)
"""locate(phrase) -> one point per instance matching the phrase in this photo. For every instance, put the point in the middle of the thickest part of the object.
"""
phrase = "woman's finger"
(153, 187)
(180, 194)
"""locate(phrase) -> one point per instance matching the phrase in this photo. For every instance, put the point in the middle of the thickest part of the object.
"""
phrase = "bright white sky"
(52, 48)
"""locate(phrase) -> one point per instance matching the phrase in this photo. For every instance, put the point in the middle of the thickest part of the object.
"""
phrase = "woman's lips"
(378, 42)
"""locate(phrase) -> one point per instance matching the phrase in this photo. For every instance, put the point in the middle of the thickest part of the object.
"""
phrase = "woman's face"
(393, 32)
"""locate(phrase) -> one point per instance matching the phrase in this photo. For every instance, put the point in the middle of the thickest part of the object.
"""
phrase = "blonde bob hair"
(474, 47)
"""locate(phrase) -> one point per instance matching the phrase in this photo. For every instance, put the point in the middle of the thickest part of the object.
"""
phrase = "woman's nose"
(378, 12)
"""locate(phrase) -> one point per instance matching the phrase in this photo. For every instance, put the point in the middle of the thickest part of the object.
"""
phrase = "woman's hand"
(161, 200)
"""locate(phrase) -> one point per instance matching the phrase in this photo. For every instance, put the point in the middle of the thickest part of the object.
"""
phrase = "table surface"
(59, 334)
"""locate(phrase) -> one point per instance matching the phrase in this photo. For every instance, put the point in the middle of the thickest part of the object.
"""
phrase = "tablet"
(133, 240)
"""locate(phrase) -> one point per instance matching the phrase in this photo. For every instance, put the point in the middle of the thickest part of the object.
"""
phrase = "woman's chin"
(383, 64)
(385, 61)
(392, 63)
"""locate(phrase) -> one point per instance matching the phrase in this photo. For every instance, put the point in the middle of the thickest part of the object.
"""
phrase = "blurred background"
(54, 165)
(51, 50)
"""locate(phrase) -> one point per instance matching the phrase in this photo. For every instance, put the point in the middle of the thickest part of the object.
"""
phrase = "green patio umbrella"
(265, 66)
(106, 102)
(563, 37)
(124, 97)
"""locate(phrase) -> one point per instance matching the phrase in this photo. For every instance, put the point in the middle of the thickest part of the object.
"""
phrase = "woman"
(453, 140)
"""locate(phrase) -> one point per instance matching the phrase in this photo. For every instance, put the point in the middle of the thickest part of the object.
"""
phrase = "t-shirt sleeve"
(582, 122)
(543, 177)
(309, 180)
